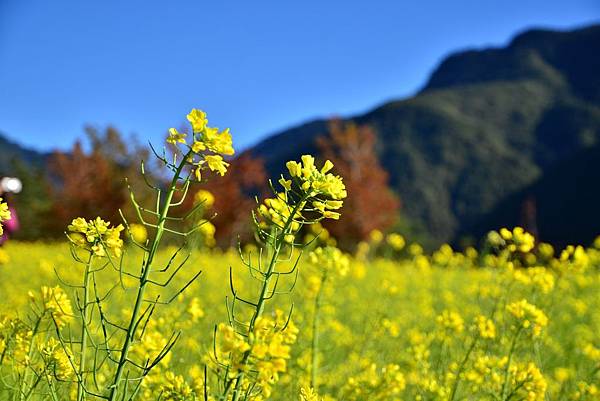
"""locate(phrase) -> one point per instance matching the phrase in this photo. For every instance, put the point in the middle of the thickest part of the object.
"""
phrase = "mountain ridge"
(11, 152)
(468, 140)
(488, 124)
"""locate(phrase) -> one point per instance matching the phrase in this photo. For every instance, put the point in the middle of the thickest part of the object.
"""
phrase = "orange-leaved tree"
(90, 183)
(371, 204)
(234, 198)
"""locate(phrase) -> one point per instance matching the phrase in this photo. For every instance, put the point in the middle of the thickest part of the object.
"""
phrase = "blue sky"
(254, 66)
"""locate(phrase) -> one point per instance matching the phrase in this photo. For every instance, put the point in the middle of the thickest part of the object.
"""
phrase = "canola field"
(440, 327)
(143, 309)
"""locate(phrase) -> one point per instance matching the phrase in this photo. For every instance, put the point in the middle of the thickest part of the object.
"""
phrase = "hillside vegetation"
(487, 124)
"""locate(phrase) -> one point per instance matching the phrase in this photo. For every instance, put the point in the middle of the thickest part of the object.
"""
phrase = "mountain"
(12, 153)
(563, 203)
(487, 124)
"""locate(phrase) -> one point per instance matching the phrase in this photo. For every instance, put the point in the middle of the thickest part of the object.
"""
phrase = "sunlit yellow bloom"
(56, 303)
(198, 120)
(376, 236)
(96, 236)
(208, 230)
(230, 341)
(205, 197)
(218, 142)
(138, 233)
(4, 214)
(396, 241)
(330, 259)
(451, 321)
(56, 362)
(175, 136)
(216, 163)
(309, 395)
(386, 383)
(198, 146)
(485, 327)
(529, 316)
(287, 184)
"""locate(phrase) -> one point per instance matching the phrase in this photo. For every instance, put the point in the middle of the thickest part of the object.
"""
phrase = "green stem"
(29, 356)
(52, 390)
(84, 317)
(314, 349)
(257, 314)
(144, 280)
(279, 241)
(508, 363)
(33, 386)
(461, 368)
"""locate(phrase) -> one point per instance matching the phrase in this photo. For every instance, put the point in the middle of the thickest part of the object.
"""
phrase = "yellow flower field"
(439, 327)
(144, 310)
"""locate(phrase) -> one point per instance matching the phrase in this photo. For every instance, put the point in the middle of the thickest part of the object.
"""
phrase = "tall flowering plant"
(251, 350)
(109, 357)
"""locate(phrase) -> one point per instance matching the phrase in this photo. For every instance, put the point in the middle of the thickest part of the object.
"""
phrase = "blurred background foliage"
(498, 136)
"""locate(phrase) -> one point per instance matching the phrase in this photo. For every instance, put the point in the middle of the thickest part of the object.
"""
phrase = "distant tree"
(125, 155)
(234, 199)
(86, 185)
(92, 183)
(371, 204)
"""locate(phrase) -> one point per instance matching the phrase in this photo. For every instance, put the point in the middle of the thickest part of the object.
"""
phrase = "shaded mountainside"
(563, 203)
(488, 124)
(12, 154)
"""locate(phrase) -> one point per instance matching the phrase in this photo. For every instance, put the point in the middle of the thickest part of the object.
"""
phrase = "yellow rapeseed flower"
(529, 316)
(216, 163)
(175, 136)
(198, 120)
(4, 214)
(205, 197)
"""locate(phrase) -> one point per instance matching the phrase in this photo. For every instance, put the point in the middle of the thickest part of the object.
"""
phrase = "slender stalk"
(52, 390)
(260, 305)
(314, 349)
(507, 369)
(29, 356)
(461, 368)
(33, 386)
(84, 336)
(257, 313)
(144, 280)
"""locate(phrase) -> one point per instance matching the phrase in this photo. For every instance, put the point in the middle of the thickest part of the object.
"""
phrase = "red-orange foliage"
(87, 185)
(91, 184)
(370, 204)
(234, 199)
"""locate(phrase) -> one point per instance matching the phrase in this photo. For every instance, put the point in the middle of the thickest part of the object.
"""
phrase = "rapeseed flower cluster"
(490, 374)
(451, 323)
(96, 236)
(205, 198)
(320, 188)
(377, 384)
(485, 328)
(4, 214)
(529, 317)
(55, 363)
(53, 302)
(396, 241)
(138, 233)
(330, 259)
(264, 353)
(309, 196)
(207, 145)
(517, 240)
(309, 395)
(384, 326)
(175, 388)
